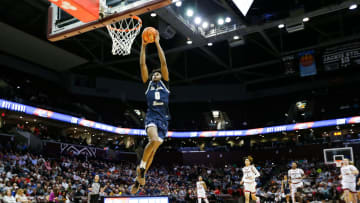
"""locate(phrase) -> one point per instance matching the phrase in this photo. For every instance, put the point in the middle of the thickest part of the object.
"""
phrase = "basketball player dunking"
(348, 181)
(250, 173)
(201, 190)
(157, 116)
(296, 176)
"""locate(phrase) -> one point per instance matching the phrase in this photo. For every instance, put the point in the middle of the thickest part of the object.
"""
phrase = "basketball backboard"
(331, 156)
(62, 25)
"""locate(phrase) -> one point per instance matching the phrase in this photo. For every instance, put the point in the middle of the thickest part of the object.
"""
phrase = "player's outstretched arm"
(256, 172)
(204, 185)
(164, 68)
(143, 67)
(289, 177)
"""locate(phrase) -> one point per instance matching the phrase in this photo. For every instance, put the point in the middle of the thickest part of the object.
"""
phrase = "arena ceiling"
(256, 61)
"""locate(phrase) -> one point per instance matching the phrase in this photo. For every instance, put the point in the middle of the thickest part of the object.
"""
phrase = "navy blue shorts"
(162, 126)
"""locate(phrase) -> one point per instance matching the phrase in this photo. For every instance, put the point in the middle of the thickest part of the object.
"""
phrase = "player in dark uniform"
(157, 116)
(285, 188)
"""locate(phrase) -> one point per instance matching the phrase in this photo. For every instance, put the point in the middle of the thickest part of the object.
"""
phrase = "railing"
(213, 32)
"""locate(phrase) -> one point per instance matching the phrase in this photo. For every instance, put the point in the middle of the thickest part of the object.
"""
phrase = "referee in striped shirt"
(94, 191)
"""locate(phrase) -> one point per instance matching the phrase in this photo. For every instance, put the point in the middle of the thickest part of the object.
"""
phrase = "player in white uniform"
(248, 179)
(201, 190)
(348, 181)
(296, 176)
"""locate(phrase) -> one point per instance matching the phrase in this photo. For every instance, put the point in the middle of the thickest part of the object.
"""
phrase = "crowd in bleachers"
(27, 177)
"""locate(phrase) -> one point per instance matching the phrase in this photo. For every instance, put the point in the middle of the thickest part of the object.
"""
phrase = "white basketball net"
(123, 34)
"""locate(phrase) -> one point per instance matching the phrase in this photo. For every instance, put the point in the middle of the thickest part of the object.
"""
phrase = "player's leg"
(247, 197)
(346, 196)
(206, 200)
(199, 200)
(293, 192)
(151, 147)
(154, 143)
(247, 190)
(161, 134)
(254, 197)
(253, 193)
(151, 158)
(287, 197)
(354, 197)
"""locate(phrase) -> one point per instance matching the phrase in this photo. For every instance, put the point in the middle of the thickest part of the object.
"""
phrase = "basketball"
(149, 34)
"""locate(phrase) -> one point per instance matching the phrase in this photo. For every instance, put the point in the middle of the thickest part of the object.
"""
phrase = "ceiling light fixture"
(189, 12)
(220, 21)
(197, 20)
(216, 114)
(205, 25)
(353, 7)
(178, 3)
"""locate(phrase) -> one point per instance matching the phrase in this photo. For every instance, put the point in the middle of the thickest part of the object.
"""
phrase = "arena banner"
(13, 106)
(342, 56)
(78, 150)
(307, 63)
(58, 148)
(54, 148)
(290, 64)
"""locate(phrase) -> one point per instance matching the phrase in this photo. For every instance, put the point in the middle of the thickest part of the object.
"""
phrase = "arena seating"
(70, 177)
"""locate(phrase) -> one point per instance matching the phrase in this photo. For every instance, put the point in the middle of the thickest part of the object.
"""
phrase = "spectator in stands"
(2, 185)
(8, 198)
(325, 192)
(51, 195)
(21, 197)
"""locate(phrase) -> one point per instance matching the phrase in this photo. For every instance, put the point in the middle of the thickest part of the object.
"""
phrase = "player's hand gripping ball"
(149, 35)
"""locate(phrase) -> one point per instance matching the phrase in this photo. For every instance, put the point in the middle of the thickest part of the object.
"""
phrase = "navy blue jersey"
(286, 187)
(157, 97)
